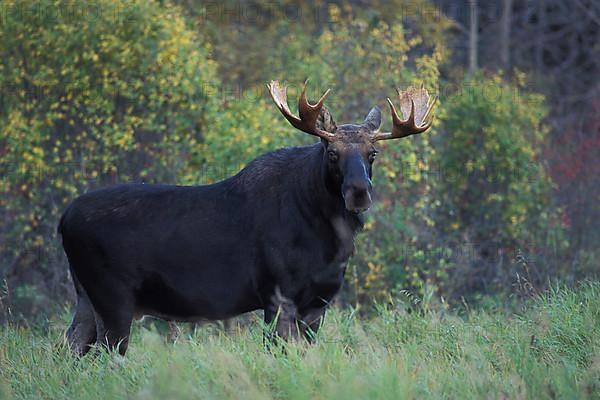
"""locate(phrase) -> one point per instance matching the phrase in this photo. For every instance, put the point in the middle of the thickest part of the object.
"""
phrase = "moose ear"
(373, 121)
(325, 121)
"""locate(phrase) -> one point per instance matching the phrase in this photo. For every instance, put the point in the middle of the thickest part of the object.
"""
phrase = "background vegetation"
(500, 198)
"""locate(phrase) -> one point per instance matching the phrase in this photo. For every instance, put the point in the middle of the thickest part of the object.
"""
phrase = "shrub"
(91, 96)
(493, 192)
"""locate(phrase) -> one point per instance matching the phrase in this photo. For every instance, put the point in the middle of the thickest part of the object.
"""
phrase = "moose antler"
(417, 104)
(307, 122)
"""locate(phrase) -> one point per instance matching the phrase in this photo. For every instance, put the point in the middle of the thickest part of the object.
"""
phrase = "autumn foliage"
(159, 93)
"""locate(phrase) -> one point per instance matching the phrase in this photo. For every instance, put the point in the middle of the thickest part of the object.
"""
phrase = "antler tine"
(308, 112)
(303, 102)
(419, 114)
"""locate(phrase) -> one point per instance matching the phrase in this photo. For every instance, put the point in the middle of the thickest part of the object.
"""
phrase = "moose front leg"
(310, 322)
(282, 312)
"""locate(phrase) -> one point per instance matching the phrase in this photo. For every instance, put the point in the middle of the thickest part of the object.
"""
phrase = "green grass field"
(551, 349)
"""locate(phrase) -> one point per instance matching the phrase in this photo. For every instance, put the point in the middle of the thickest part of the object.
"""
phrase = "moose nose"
(357, 195)
(358, 187)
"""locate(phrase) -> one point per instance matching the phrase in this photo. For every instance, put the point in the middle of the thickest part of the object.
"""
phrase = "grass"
(549, 350)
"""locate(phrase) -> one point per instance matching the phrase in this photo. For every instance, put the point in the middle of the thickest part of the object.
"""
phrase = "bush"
(90, 99)
(493, 192)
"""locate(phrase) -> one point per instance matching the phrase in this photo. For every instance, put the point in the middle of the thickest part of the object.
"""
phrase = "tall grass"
(549, 350)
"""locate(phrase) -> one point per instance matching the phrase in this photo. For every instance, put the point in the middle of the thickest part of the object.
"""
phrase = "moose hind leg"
(113, 331)
(113, 318)
(82, 332)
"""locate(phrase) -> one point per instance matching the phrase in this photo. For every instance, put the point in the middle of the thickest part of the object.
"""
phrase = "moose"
(276, 236)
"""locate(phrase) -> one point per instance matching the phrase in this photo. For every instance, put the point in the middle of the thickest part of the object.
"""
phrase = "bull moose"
(276, 236)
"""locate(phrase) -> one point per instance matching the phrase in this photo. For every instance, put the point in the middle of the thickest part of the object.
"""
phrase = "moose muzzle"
(357, 186)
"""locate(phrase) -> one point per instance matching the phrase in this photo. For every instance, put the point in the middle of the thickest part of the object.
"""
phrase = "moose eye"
(332, 155)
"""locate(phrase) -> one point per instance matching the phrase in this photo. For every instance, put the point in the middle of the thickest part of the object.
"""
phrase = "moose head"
(349, 149)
